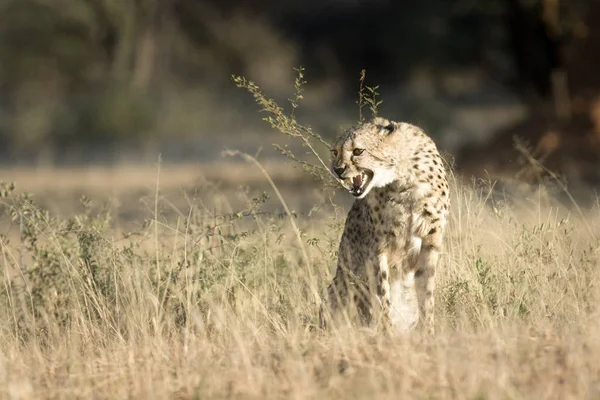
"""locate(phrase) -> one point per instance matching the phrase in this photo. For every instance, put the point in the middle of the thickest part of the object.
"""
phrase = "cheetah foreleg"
(425, 285)
(383, 289)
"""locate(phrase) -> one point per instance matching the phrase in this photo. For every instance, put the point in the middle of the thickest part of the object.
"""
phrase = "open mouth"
(358, 183)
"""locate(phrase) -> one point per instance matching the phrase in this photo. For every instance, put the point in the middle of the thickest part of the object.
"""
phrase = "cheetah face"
(358, 161)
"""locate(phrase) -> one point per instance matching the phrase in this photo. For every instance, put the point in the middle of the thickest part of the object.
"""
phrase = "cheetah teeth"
(357, 184)
(358, 180)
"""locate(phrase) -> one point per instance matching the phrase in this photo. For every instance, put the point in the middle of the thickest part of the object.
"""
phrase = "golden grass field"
(193, 285)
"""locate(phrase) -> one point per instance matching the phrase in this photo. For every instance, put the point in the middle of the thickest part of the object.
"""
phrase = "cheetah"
(393, 233)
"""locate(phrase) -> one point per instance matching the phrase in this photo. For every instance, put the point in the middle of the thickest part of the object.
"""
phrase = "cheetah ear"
(387, 129)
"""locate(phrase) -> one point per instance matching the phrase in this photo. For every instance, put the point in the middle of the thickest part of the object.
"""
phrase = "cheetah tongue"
(357, 181)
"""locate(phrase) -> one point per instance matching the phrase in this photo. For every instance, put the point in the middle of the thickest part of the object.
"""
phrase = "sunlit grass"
(205, 304)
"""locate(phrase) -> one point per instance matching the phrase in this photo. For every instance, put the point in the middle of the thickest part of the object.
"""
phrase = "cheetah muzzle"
(359, 184)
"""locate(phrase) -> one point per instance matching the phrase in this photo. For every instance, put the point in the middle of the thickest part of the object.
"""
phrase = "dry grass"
(207, 304)
(123, 178)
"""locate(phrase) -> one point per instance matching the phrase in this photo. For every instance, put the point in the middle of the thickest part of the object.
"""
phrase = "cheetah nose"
(339, 170)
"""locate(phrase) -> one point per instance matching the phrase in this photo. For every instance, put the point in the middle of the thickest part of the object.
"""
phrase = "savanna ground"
(204, 281)
(192, 282)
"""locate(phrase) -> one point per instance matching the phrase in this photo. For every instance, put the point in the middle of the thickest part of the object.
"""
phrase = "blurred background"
(106, 82)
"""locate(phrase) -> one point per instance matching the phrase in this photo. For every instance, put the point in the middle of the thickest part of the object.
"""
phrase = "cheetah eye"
(357, 152)
(334, 152)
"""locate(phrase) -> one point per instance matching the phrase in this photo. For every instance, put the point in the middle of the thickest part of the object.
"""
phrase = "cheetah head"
(363, 157)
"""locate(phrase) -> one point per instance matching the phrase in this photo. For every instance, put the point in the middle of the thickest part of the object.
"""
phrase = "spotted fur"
(393, 233)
